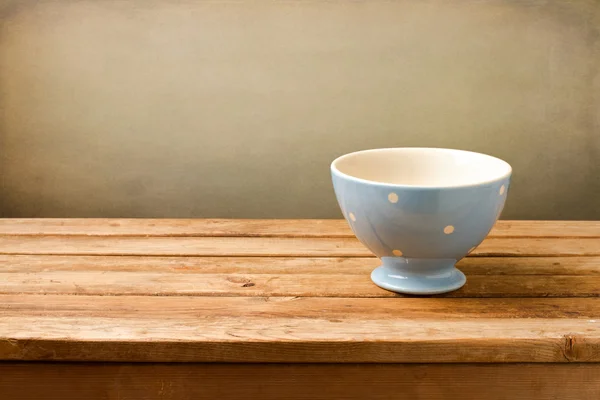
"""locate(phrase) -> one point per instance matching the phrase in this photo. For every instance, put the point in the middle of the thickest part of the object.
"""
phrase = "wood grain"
(81, 339)
(258, 227)
(66, 381)
(259, 246)
(143, 307)
(277, 292)
(294, 339)
(177, 227)
(303, 285)
(146, 329)
(286, 265)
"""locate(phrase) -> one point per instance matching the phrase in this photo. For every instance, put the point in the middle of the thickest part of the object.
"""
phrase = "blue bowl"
(420, 210)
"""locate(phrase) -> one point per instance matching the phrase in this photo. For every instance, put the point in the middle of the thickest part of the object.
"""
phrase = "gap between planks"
(315, 228)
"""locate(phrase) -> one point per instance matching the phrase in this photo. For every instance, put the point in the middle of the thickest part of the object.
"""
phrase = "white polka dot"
(397, 253)
(393, 197)
(502, 189)
(352, 217)
(449, 229)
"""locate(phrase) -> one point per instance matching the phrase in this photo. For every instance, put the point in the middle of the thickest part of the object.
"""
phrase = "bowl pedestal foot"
(421, 276)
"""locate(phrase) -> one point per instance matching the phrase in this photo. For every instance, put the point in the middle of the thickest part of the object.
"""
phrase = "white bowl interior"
(422, 167)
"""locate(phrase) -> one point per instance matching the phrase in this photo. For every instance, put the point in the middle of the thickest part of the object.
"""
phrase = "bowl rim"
(486, 182)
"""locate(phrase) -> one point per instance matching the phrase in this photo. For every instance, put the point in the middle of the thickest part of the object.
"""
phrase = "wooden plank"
(255, 246)
(106, 328)
(80, 339)
(259, 285)
(177, 227)
(547, 229)
(286, 265)
(530, 266)
(366, 309)
(67, 381)
(257, 227)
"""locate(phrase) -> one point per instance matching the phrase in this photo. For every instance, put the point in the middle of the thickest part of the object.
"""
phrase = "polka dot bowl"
(420, 210)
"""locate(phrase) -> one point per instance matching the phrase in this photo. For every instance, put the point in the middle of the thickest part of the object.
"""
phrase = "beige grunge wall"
(163, 108)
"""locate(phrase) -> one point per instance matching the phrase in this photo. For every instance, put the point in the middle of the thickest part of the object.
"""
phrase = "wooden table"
(257, 309)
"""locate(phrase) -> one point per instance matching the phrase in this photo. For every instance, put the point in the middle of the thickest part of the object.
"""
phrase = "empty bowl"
(420, 210)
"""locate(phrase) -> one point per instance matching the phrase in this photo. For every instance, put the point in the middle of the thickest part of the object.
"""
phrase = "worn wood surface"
(51, 381)
(260, 285)
(258, 227)
(270, 246)
(287, 265)
(293, 329)
(287, 292)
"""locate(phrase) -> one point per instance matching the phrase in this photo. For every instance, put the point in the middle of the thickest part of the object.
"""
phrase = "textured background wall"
(169, 108)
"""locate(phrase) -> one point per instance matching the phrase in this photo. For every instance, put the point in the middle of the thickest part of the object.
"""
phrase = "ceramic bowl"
(420, 210)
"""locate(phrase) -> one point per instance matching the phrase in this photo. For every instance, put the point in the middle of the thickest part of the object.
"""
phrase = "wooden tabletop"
(287, 291)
